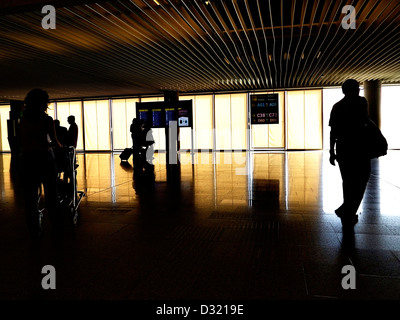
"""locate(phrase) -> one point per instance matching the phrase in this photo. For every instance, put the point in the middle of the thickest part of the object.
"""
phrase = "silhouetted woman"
(38, 163)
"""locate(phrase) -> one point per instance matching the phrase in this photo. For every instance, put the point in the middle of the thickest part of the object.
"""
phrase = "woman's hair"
(36, 101)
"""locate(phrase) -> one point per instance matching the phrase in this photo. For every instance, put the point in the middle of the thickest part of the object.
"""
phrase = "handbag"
(375, 143)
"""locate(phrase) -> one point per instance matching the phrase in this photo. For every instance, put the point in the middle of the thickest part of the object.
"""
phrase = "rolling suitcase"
(125, 155)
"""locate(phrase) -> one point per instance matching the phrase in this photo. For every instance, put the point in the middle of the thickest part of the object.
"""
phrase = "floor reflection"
(222, 225)
(283, 181)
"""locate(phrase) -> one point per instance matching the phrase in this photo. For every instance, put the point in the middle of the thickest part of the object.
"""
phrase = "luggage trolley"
(70, 197)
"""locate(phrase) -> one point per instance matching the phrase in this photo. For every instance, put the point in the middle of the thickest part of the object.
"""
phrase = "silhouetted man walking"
(347, 120)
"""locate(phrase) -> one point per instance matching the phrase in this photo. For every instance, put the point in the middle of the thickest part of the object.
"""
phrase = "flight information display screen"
(264, 108)
(157, 118)
(159, 114)
(169, 115)
(144, 114)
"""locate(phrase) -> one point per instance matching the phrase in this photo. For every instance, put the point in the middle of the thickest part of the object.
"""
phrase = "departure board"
(144, 114)
(158, 114)
(157, 118)
(264, 108)
(169, 115)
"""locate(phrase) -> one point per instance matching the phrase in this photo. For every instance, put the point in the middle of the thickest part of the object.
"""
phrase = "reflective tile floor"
(226, 226)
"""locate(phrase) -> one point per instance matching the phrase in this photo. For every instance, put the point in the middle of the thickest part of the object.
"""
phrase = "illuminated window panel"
(270, 135)
(304, 116)
(73, 108)
(51, 110)
(4, 116)
(203, 122)
(239, 121)
(330, 97)
(230, 122)
(97, 125)
(313, 119)
(223, 122)
(295, 120)
(123, 112)
(390, 113)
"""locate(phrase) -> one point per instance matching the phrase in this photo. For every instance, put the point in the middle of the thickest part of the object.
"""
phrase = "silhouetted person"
(72, 132)
(38, 162)
(136, 133)
(147, 145)
(61, 132)
(347, 119)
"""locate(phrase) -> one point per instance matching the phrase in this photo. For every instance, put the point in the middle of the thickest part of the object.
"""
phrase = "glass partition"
(4, 115)
(123, 112)
(73, 108)
(390, 113)
(304, 120)
(231, 121)
(97, 125)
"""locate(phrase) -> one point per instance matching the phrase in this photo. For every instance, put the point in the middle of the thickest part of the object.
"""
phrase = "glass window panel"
(74, 108)
(239, 121)
(185, 139)
(313, 119)
(260, 135)
(90, 115)
(203, 123)
(151, 99)
(119, 119)
(4, 116)
(304, 119)
(223, 122)
(103, 125)
(130, 105)
(295, 119)
(390, 113)
(330, 97)
(123, 111)
(51, 110)
(97, 125)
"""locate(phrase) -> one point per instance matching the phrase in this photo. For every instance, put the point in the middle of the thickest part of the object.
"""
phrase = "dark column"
(172, 142)
(171, 96)
(372, 92)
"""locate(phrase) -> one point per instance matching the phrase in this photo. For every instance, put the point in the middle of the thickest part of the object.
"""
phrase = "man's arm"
(332, 143)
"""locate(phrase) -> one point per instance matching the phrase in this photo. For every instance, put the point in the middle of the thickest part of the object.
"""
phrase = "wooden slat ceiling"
(123, 47)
